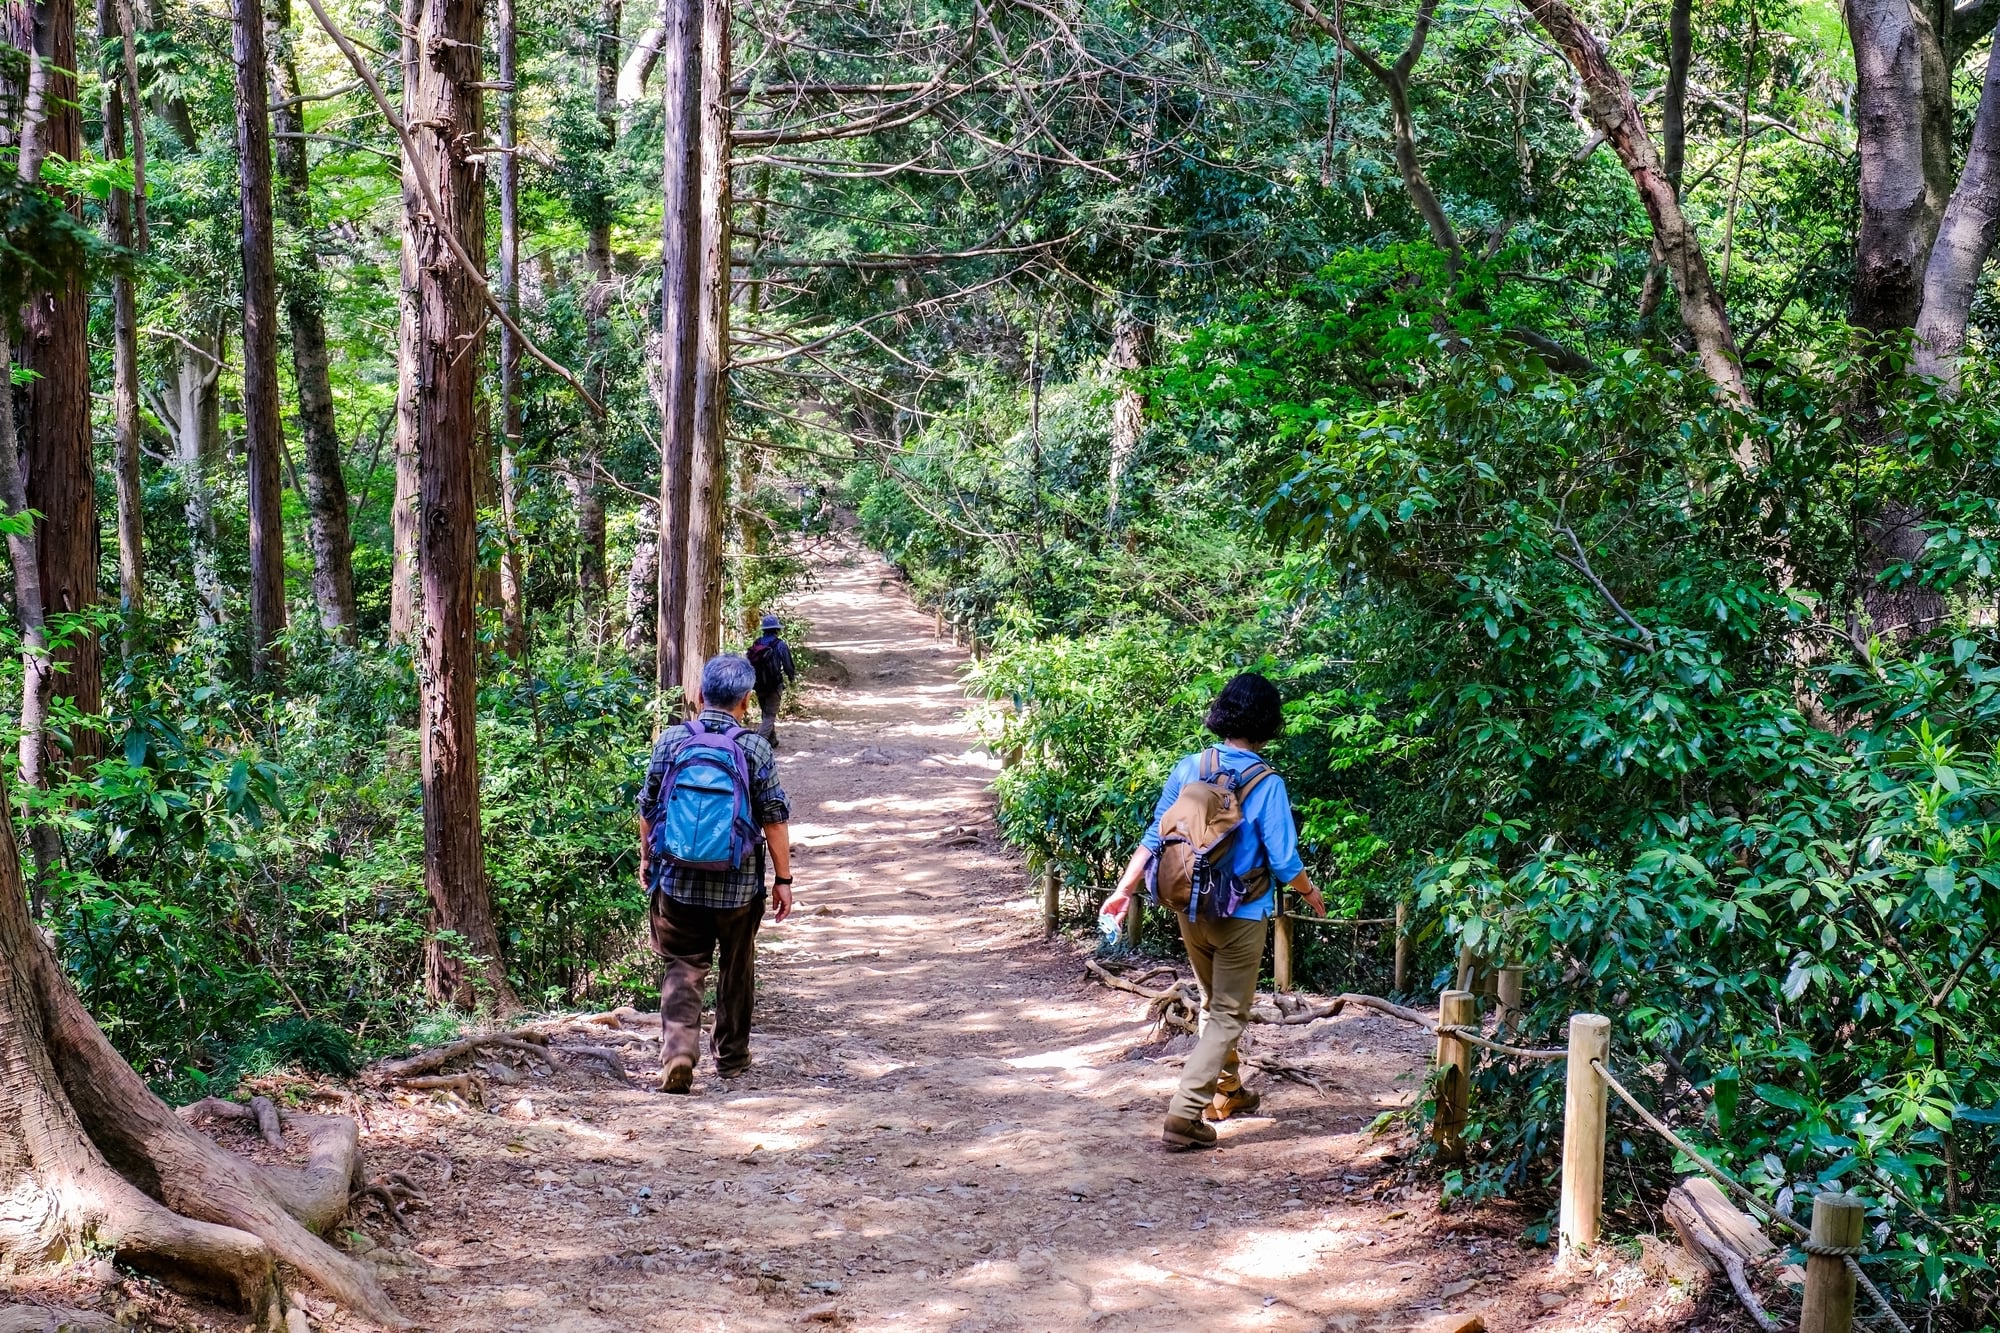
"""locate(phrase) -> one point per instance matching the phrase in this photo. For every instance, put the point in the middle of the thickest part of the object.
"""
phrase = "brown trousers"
(689, 937)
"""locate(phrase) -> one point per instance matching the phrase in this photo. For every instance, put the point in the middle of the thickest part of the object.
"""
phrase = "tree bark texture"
(89, 1153)
(403, 593)
(1612, 109)
(263, 424)
(329, 521)
(513, 610)
(587, 492)
(446, 125)
(55, 439)
(1964, 241)
(197, 442)
(708, 476)
(642, 587)
(1131, 352)
(680, 304)
(118, 225)
(1902, 116)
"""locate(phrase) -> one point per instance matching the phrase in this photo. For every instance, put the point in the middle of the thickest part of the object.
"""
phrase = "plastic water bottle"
(1110, 926)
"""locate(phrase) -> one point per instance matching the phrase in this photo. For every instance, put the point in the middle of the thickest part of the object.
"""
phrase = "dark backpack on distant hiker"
(770, 668)
(701, 816)
(1198, 832)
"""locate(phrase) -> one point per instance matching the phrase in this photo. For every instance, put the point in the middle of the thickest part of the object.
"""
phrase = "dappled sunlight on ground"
(947, 1128)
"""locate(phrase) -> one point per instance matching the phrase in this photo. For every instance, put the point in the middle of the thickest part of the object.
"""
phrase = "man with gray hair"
(710, 807)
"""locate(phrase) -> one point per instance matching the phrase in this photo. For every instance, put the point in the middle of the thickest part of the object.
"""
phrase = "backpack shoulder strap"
(1211, 765)
(1246, 781)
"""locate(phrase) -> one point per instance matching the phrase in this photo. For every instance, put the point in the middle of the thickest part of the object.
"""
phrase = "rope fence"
(1833, 1245)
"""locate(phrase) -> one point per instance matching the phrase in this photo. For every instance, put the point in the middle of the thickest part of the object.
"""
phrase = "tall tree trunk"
(329, 521)
(263, 427)
(1964, 241)
(197, 441)
(680, 304)
(403, 587)
(1131, 352)
(1608, 99)
(642, 587)
(587, 493)
(513, 612)
(118, 224)
(1902, 116)
(1673, 136)
(56, 445)
(446, 125)
(709, 477)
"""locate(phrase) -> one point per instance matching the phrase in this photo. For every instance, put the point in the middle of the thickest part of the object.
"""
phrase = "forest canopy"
(1582, 410)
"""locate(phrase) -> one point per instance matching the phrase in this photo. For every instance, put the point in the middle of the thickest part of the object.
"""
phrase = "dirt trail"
(947, 1127)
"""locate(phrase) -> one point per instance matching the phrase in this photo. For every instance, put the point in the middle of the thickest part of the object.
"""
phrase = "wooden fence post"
(1836, 1222)
(1135, 918)
(1402, 948)
(1456, 1008)
(1051, 898)
(1281, 949)
(1508, 995)
(1583, 1134)
(938, 632)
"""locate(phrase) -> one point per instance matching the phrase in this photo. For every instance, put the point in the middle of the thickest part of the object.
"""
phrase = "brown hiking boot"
(1184, 1135)
(1241, 1101)
(677, 1077)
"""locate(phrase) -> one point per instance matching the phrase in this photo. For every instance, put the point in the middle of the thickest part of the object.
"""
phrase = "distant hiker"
(772, 657)
(710, 806)
(1221, 837)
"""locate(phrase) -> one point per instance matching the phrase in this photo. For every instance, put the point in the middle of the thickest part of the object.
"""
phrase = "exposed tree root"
(469, 1087)
(610, 1060)
(258, 1109)
(623, 1016)
(88, 1153)
(524, 1041)
(392, 1193)
(53, 1319)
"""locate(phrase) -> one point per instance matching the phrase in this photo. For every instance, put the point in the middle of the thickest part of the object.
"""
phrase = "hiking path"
(948, 1126)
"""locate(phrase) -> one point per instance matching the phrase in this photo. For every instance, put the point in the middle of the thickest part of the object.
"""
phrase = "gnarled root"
(392, 1193)
(524, 1041)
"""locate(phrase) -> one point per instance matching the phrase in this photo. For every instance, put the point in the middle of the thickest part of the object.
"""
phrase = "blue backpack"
(701, 817)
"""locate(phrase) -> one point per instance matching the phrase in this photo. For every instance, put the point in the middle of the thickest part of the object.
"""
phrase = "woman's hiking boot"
(1184, 1135)
(678, 1076)
(1237, 1101)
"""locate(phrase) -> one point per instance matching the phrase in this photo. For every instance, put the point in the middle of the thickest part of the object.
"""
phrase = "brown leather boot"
(1238, 1101)
(1184, 1135)
(677, 1077)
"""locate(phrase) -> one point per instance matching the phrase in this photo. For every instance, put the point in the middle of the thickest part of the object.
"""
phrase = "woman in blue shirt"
(1227, 953)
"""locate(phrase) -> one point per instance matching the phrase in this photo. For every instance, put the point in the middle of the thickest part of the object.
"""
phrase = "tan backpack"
(1191, 874)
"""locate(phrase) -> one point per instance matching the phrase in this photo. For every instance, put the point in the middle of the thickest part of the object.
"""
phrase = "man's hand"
(781, 899)
(1118, 904)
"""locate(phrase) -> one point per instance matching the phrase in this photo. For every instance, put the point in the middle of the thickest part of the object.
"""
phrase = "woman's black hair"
(1248, 709)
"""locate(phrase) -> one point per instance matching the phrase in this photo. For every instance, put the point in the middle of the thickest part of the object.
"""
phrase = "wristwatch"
(781, 879)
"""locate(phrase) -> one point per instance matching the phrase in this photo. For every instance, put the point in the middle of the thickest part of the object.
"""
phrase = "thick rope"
(1848, 1255)
(1472, 1036)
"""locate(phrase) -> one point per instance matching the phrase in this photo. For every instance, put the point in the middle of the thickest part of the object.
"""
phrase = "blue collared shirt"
(1267, 838)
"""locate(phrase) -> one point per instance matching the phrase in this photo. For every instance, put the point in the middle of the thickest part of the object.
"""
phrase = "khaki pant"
(1226, 955)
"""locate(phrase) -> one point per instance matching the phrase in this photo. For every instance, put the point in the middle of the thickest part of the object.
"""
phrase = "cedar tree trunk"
(708, 476)
(446, 125)
(263, 427)
(513, 614)
(330, 524)
(55, 441)
(680, 304)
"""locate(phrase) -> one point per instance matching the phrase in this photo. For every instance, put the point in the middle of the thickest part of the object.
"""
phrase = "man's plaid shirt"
(768, 805)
